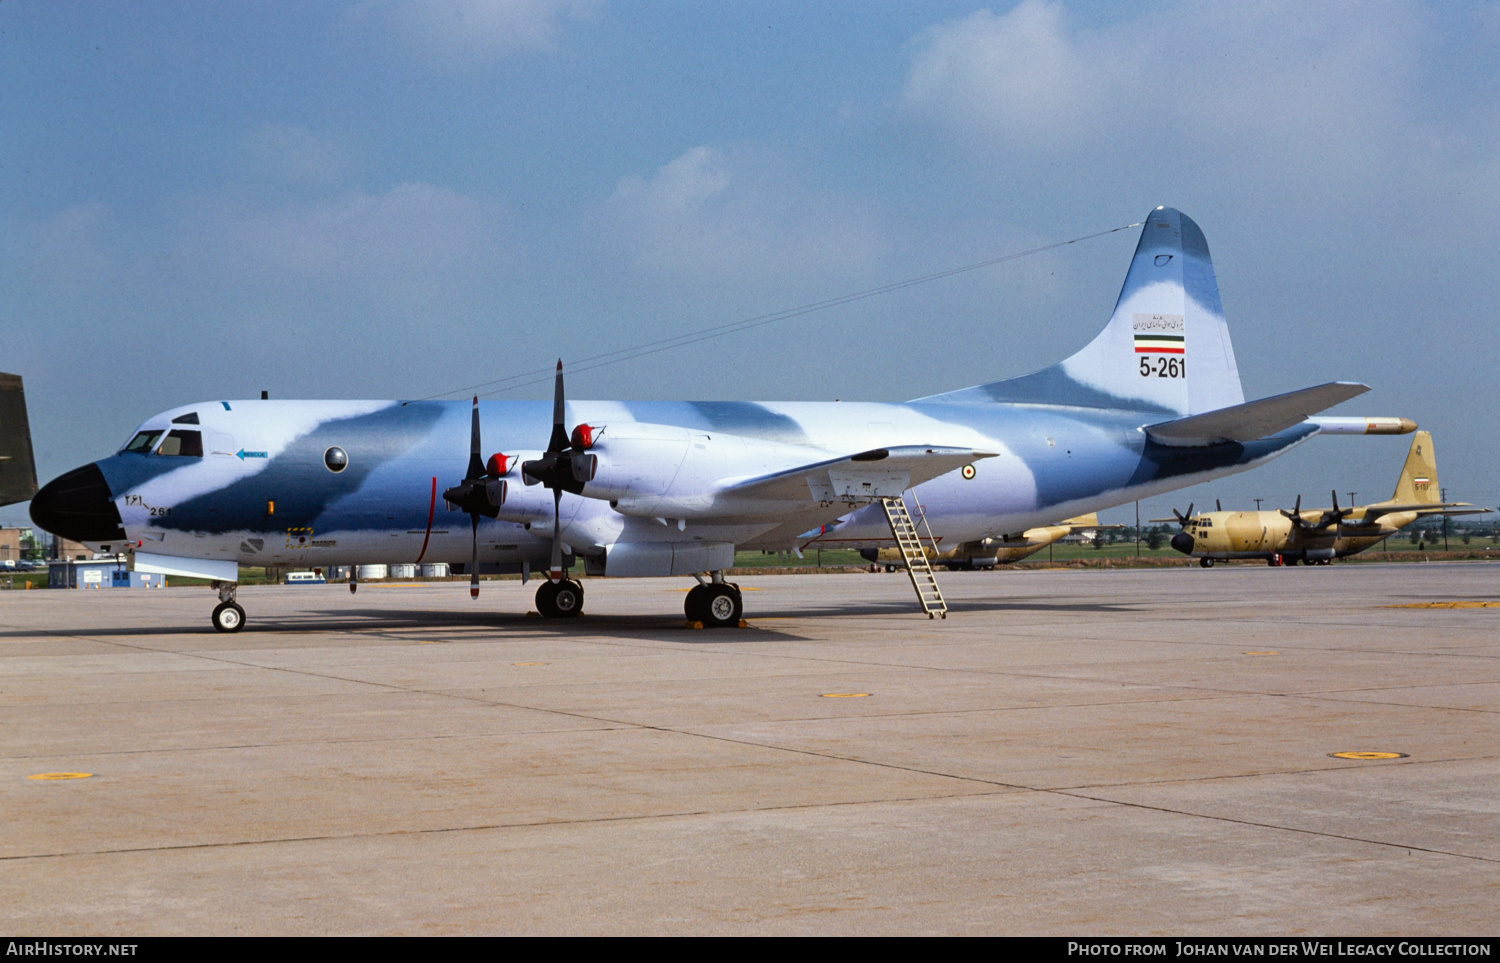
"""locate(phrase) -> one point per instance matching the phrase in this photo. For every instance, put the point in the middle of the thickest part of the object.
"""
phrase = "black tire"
(696, 604)
(1206, 562)
(722, 606)
(228, 617)
(559, 600)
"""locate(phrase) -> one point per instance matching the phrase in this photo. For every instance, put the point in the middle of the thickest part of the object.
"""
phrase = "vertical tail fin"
(1166, 347)
(1418, 484)
(17, 467)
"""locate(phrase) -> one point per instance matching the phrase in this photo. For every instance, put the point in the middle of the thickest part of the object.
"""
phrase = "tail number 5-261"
(1164, 367)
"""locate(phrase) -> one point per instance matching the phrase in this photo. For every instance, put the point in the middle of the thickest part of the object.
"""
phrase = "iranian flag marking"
(1159, 344)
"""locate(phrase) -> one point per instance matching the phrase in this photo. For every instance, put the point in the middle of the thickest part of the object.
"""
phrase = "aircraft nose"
(78, 505)
(1183, 542)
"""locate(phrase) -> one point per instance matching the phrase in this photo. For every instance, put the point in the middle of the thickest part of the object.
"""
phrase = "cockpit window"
(143, 442)
(191, 418)
(188, 443)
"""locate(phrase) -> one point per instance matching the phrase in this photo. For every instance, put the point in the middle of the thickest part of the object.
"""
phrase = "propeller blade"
(474, 560)
(476, 463)
(1217, 506)
(555, 572)
(559, 440)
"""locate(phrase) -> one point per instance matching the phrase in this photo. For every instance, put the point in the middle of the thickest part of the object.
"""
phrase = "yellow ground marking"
(1262, 653)
(1465, 604)
(430, 642)
(845, 695)
(531, 663)
(1368, 755)
(60, 775)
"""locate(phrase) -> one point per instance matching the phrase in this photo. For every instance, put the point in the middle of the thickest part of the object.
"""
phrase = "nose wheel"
(560, 600)
(229, 617)
(1206, 562)
(716, 605)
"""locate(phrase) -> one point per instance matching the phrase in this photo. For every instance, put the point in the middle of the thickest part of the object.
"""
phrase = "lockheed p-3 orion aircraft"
(675, 488)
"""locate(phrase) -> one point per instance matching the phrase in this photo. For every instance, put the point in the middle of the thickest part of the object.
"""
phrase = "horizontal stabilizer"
(1373, 512)
(883, 472)
(1254, 419)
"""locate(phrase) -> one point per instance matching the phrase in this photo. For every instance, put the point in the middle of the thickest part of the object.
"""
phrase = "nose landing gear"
(228, 616)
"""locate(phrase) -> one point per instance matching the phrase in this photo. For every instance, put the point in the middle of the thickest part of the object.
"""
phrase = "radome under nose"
(78, 505)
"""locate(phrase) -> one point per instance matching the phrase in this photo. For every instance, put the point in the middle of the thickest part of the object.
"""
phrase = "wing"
(852, 479)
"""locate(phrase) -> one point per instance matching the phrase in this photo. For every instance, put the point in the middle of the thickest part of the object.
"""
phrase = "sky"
(403, 198)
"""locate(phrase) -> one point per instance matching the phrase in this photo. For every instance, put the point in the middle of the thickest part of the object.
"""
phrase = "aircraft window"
(191, 418)
(188, 443)
(336, 459)
(143, 441)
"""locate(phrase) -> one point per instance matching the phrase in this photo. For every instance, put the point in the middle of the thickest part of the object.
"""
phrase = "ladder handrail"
(922, 514)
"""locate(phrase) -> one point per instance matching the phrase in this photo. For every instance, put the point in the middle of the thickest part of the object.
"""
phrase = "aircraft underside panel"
(648, 559)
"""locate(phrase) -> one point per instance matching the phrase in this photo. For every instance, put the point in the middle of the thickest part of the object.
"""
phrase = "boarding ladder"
(913, 553)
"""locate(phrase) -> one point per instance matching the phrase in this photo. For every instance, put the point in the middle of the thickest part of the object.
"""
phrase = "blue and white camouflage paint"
(681, 485)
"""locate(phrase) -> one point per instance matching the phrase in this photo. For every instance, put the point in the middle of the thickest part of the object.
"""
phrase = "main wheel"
(1206, 562)
(696, 604)
(229, 617)
(559, 600)
(722, 606)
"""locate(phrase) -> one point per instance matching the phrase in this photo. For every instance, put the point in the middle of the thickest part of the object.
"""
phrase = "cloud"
(410, 247)
(735, 216)
(293, 153)
(461, 32)
(1019, 74)
(1290, 82)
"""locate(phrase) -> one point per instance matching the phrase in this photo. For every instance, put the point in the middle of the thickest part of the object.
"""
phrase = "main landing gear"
(228, 616)
(717, 604)
(1206, 562)
(560, 600)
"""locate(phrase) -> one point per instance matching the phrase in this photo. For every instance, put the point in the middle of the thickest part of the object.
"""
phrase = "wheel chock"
(533, 614)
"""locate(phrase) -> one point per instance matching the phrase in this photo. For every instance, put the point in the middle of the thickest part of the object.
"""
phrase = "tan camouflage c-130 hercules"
(1319, 535)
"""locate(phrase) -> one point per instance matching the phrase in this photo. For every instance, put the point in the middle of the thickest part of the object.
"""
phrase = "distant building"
(10, 542)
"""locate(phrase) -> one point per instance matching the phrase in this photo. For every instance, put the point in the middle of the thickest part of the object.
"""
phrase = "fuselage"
(1263, 534)
(258, 483)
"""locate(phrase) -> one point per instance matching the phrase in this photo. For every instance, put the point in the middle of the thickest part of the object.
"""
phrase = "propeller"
(566, 466)
(481, 492)
(1336, 516)
(1184, 518)
(1295, 515)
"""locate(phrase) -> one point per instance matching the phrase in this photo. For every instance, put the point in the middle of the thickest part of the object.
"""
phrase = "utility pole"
(1351, 498)
(1138, 528)
(1443, 494)
(1257, 503)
